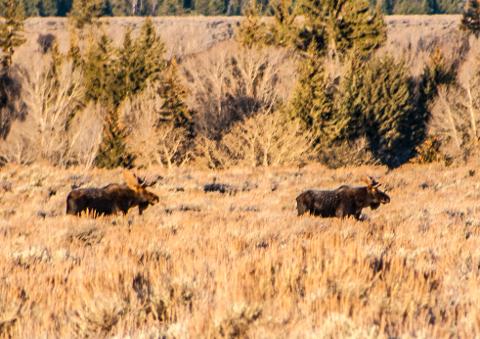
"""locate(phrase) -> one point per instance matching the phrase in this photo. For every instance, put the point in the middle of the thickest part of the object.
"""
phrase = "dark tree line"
(220, 7)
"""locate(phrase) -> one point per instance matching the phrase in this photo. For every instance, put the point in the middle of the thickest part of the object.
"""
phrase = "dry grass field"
(242, 264)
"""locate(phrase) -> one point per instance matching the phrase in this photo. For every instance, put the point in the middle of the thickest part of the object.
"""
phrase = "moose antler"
(131, 180)
(135, 182)
(150, 182)
(371, 182)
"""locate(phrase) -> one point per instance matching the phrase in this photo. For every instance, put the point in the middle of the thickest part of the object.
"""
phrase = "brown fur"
(342, 202)
(112, 198)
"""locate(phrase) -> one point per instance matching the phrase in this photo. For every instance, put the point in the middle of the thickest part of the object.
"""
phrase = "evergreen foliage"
(471, 17)
(252, 30)
(437, 72)
(375, 100)
(98, 70)
(284, 31)
(334, 25)
(343, 25)
(312, 102)
(174, 110)
(111, 75)
(113, 149)
(221, 7)
(11, 30)
(86, 12)
(389, 118)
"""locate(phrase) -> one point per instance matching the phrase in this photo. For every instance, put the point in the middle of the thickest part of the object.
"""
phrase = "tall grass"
(212, 265)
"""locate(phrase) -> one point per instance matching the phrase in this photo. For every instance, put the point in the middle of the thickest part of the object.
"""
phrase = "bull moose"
(342, 202)
(113, 198)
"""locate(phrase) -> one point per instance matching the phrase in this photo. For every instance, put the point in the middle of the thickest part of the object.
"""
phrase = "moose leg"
(141, 208)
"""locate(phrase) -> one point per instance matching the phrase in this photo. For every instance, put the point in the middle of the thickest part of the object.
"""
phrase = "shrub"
(153, 139)
(429, 151)
(50, 132)
(264, 139)
(230, 83)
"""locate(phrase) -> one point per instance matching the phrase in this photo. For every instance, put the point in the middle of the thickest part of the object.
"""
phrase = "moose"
(342, 202)
(113, 198)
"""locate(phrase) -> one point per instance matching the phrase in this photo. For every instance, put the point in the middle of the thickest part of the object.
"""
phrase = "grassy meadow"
(241, 264)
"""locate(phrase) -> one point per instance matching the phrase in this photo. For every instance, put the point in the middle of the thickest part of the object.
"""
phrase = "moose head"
(375, 196)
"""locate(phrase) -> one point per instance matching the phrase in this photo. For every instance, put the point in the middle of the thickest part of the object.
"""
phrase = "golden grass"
(242, 265)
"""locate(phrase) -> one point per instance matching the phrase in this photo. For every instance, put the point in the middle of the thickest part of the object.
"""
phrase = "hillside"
(190, 35)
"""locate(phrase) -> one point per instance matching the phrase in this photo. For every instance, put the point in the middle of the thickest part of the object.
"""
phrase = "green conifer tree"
(284, 30)
(98, 70)
(139, 62)
(343, 25)
(127, 82)
(386, 110)
(312, 100)
(252, 30)
(74, 54)
(174, 109)
(150, 48)
(86, 12)
(11, 30)
(113, 149)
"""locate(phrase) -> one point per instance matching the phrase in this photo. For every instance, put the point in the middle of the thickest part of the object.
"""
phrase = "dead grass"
(241, 265)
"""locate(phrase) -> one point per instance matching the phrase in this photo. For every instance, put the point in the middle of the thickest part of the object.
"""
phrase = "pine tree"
(343, 25)
(127, 77)
(435, 73)
(252, 30)
(210, 7)
(284, 29)
(386, 100)
(471, 17)
(113, 149)
(98, 71)
(47, 8)
(74, 54)
(11, 30)
(170, 7)
(174, 110)
(348, 118)
(312, 101)
(139, 62)
(151, 50)
(86, 12)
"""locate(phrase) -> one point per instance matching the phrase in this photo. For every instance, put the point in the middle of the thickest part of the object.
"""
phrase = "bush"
(153, 139)
(429, 151)
(230, 83)
(49, 132)
(264, 139)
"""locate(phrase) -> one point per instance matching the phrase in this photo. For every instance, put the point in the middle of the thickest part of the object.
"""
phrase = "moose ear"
(368, 181)
(131, 180)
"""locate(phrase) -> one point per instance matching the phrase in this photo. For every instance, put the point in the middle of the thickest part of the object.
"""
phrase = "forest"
(352, 102)
(221, 7)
